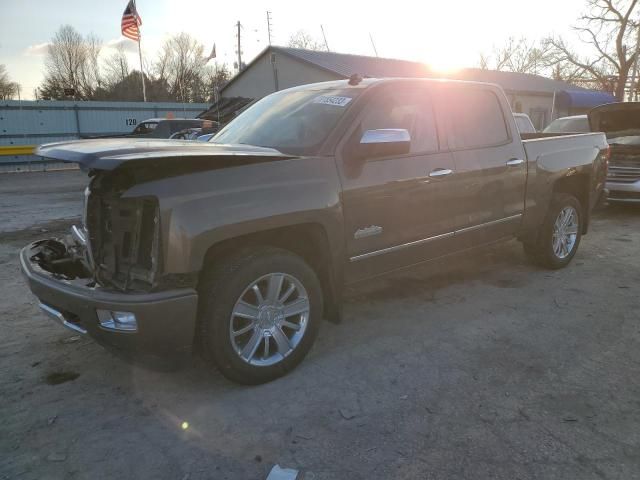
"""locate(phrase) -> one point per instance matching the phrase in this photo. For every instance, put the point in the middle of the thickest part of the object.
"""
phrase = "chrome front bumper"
(623, 192)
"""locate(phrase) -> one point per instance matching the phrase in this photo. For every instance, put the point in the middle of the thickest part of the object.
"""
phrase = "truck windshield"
(295, 122)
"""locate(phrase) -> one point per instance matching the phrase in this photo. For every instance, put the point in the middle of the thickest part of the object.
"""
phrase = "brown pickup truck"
(241, 246)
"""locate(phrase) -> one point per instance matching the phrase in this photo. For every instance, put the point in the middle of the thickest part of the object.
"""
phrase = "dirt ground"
(474, 368)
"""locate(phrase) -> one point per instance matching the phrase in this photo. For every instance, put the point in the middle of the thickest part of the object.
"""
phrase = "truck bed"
(553, 152)
(563, 158)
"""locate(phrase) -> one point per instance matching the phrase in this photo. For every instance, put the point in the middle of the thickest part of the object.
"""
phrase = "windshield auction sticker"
(332, 100)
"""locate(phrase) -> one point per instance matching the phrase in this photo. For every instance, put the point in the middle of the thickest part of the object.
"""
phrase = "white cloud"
(127, 45)
(37, 49)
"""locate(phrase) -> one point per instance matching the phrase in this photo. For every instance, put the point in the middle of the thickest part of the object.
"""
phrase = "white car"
(573, 124)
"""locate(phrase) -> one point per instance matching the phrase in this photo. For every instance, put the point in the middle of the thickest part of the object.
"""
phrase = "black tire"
(541, 250)
(223, 285)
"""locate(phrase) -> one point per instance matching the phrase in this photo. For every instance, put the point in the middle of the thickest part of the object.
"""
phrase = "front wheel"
(560, 233)
(259, 314)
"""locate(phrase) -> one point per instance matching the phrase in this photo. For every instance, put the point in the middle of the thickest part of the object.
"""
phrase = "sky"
(444, 34)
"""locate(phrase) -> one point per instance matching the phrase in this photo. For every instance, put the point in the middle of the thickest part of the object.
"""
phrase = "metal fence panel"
(38, 122)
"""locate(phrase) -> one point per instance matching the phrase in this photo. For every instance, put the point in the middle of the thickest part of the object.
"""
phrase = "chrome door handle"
(441, 172)
(514, 162)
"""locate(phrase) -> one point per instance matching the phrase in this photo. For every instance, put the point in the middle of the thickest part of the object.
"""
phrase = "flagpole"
(144, 88)
(216, 94)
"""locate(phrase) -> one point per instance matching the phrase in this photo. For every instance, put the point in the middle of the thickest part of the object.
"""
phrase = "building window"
(539, 117)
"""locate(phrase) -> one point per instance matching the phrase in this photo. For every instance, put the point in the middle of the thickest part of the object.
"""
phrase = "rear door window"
(476, 119)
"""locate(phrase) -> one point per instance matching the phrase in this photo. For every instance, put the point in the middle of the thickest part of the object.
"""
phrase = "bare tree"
(91, 73)
(302, 39)
(8, 89)
(181, 65)
(116, 67)
(518, 55)
(179, 72)
(216, 78)
(611, 32)
(72, 62)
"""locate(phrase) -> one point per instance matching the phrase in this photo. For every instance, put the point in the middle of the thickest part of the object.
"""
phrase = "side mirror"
(384, 142)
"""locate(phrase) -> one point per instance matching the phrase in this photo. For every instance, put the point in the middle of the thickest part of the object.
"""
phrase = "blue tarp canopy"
(583, 98)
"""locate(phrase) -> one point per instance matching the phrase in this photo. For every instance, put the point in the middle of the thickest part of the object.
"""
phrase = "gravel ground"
(473, 368)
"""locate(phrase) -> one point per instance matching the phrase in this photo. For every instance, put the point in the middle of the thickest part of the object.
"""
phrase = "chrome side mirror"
(384, 142)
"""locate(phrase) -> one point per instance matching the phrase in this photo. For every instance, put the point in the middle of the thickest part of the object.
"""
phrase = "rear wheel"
(560, 234)
(260, 313)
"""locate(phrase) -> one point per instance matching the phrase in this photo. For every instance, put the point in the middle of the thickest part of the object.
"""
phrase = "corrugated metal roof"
(517, 82)
(344, 65)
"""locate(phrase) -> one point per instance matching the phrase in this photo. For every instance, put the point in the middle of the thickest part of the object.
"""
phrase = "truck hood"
(109, 154)
(614, 118)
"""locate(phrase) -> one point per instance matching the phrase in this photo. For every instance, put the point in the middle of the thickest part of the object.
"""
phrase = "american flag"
(131, 22)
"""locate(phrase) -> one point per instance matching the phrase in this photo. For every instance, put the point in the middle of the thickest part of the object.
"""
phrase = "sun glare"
(443, 63)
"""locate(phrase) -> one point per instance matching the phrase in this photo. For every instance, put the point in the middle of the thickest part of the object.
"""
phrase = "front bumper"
(624, 192)
(165, 320)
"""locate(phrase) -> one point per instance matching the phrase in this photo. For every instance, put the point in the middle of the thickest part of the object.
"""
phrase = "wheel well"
(308, 240)
(578, 186)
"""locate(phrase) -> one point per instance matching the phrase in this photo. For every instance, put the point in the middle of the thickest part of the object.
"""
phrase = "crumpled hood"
(109, 154)
(615, 117)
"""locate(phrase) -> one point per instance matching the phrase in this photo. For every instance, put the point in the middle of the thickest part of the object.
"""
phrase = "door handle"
(441, 172)
(514, 162)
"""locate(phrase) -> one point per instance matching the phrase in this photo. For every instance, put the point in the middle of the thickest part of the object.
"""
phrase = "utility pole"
(634, 82)
(239, 48)
(325, 38)
(269, 25)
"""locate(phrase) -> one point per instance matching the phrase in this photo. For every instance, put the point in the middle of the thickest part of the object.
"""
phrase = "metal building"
(277, 68)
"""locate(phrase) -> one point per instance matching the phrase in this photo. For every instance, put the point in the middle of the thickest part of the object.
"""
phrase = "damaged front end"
(63, 258)
(118, 245)
(123, 234)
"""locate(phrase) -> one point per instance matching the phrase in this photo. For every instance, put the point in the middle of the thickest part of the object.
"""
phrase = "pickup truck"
(237, 248)
(621, 124)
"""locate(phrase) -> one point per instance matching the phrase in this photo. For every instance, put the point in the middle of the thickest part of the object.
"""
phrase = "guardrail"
(24, 160)
(12, 150)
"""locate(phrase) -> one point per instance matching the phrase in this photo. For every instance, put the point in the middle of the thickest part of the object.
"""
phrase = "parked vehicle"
(621, 123)
(205, 138)
(164, 127)
(242, 245)
(574, 124)
(208, 127)
(524, 123)
(187, 134)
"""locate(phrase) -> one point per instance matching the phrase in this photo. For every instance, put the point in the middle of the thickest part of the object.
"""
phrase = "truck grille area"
(124, 240)
(624, 168)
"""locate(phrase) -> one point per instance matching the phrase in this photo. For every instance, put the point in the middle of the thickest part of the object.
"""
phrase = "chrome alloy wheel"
(269, 319)
(565, 232)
